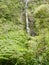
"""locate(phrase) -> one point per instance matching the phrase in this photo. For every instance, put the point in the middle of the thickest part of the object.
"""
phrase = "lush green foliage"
(41, 15)
(16, 47)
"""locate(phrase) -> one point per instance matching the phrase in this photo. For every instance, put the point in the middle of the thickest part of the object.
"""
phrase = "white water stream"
(27, 22)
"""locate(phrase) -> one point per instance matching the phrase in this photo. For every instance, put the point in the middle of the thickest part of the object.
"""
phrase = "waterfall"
(27, 21)
(29, 30)
(27, 24)
(26, 14)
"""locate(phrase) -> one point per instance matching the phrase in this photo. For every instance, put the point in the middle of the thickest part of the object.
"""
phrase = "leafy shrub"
(41, 17)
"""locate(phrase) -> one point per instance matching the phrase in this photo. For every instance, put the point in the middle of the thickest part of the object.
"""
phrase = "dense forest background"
(24, 39)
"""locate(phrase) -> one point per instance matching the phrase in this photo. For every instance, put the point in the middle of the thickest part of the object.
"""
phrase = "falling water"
(27, 22)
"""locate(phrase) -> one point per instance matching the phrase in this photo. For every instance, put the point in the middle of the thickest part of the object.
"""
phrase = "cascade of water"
(27, 22)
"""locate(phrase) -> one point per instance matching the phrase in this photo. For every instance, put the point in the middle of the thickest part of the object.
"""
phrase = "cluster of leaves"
(41, 15)
(17, 48)
(9, 15)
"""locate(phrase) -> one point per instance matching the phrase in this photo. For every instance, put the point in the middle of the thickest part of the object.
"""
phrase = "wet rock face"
(33, 33)
(31, 25)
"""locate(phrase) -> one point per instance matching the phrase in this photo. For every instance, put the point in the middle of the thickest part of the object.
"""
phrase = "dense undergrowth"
(16, 46)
